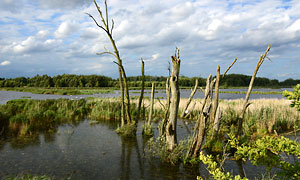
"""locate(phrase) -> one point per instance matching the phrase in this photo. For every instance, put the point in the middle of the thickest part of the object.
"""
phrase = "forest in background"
(71, 80)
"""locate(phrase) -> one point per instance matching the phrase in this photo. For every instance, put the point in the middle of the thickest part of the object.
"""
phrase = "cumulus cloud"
(65, 4)
(207, 32)
(65, 29)
(5, 63)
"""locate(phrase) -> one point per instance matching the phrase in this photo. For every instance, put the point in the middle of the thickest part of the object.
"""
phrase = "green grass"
(60, 91)
(253, 92)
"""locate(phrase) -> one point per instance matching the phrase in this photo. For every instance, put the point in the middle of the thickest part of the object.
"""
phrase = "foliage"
(128, 130)
(26, 116)
(216, 171)
(294, 96)
(269, 151)
(65, 80)
(159, 148)
(147, 130)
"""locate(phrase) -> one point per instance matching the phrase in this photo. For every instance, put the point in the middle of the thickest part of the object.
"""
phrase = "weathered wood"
(151, 104)
(163, 123)
(195, 136)
(190, 99)
(171, 137)
(216, 98)
(202, 127)
(246, 103)
(143, 87)
(216, 126)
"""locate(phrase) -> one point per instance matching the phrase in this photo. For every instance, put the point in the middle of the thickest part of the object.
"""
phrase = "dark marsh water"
(85, 151)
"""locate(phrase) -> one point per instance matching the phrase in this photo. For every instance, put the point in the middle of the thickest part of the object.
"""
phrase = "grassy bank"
(60, 91)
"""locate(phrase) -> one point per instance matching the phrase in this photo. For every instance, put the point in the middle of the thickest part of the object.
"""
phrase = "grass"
(253, 92)
(60, 91)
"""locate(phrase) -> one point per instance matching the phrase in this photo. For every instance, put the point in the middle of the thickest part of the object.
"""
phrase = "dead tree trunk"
(116, 54)
(246, 104)
(151, 104)
(163, 123)
(122, 98)
(199, 124)
(189, 100)
(171, 138)
(216, 98)
(143, 87)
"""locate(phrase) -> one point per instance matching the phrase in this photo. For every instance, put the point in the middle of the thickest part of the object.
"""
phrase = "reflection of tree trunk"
(189, 100)
(171, 138)
(142, 90)
(127, 146)
(241, 168)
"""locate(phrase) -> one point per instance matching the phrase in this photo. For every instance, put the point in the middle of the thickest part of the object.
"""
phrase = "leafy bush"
(294, 96)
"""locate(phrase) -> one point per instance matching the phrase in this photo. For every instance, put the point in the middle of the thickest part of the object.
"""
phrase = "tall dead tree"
(246, 103)
(201, 124)
(151, 104)
(122, 75)
(143, 87)
(171, 137)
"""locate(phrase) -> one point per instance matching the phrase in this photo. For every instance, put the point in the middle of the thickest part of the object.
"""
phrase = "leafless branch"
(96, 22)
(230, 66)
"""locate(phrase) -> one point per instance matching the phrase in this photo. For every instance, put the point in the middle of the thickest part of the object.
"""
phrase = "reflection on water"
(85, 151)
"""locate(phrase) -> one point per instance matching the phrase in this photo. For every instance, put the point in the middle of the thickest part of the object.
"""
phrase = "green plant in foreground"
(294, 96)
(268, 151)
(216, 171)
(29, 177)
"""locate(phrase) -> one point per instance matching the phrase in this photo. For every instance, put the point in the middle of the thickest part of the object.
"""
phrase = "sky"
(56, 37)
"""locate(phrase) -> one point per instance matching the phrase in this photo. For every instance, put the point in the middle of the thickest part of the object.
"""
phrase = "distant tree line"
(65, 80)
(71, 80)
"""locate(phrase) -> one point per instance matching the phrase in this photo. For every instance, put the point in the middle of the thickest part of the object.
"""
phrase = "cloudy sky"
(56, 37)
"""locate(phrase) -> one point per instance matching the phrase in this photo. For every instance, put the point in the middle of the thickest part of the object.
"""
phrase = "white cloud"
(205, 31)
(5, 63)
(65, 29)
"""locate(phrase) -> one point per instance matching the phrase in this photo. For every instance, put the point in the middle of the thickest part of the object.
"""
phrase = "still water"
(85, 151)
(184, 93)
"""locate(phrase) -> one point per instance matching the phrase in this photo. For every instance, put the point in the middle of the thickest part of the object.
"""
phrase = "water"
(184, 93)
(85, 151)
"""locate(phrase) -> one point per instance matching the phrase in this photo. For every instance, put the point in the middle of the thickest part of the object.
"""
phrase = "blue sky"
(56, 37)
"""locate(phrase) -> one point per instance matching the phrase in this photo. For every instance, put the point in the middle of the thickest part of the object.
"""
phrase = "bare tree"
(246, 103)
(171, 138)
(122, 75)
(143, 86)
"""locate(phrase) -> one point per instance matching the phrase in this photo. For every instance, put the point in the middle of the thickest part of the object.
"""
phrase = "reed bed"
(262, 116)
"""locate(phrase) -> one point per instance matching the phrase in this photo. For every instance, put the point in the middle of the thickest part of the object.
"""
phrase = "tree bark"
(171, 138)
(216, 98)
(189, 100)
(199, 123)
(143, 87)
(151, 105)
(162, 125)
